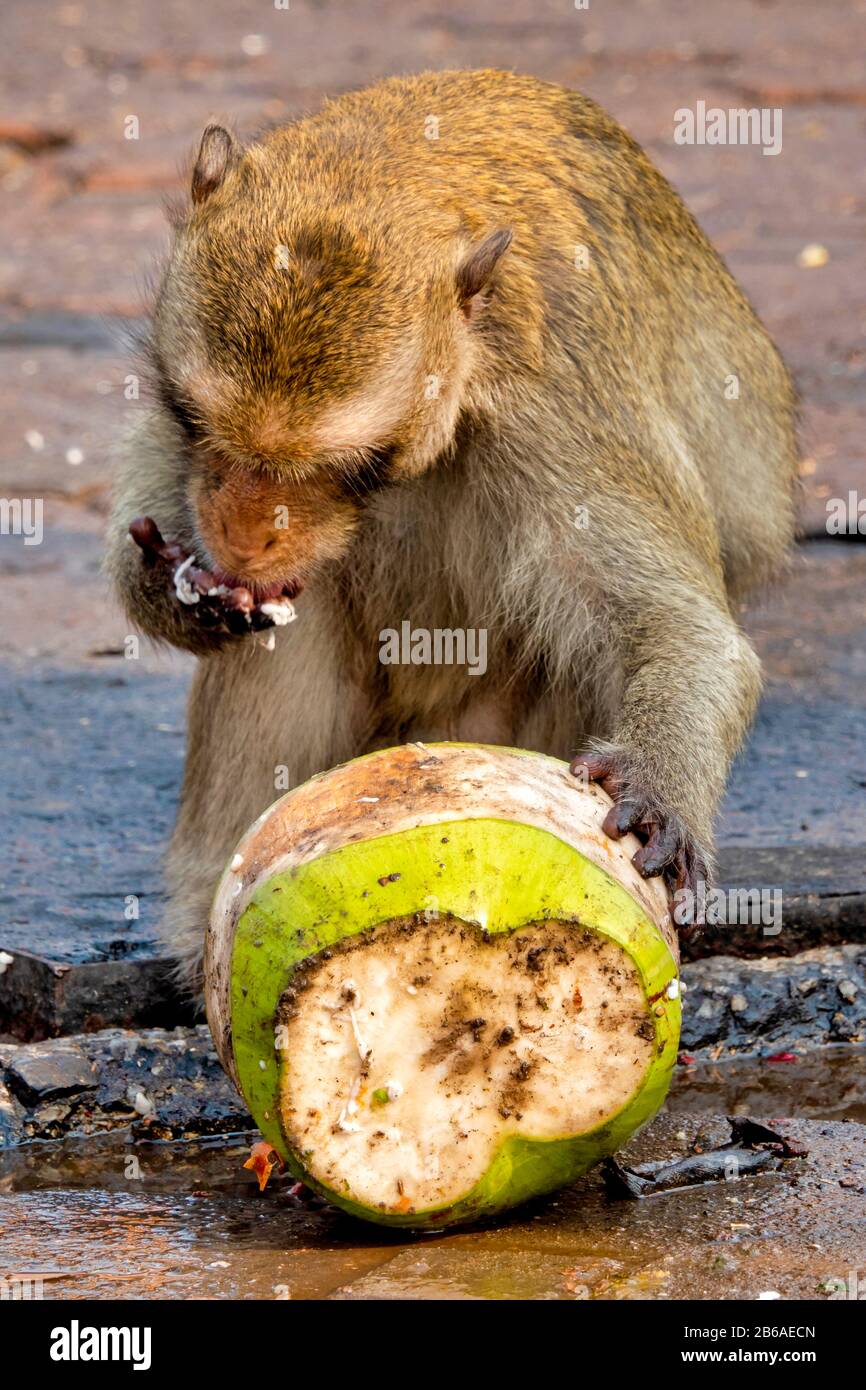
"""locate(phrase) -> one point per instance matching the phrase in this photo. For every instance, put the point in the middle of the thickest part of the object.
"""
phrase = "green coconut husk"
(440, 988)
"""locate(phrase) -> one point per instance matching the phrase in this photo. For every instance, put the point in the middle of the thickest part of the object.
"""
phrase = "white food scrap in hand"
(280, 612)
(182, 587)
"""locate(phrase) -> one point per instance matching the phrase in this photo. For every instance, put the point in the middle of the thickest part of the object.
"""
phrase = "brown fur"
(553, 388)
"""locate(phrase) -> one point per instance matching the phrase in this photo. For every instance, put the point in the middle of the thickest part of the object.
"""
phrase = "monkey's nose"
(235, 559)
(240, 543)
(242, 550)
(247, 534)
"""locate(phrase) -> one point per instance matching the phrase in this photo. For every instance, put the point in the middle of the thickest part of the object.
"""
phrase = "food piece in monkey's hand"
(217, 606)
(668, 847)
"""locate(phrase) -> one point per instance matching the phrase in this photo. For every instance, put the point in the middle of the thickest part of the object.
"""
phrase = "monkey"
(452, 350)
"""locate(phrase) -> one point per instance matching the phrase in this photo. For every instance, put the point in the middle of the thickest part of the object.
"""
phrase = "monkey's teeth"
(280, 612)
(182, 587)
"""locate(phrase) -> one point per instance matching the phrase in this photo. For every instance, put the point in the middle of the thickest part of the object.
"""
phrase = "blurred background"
(94, 742)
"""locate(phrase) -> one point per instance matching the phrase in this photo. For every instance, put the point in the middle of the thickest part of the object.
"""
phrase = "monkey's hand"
(213, 606)
(669, 848)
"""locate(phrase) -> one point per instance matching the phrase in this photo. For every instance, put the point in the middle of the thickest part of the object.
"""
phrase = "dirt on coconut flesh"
(413, 1051)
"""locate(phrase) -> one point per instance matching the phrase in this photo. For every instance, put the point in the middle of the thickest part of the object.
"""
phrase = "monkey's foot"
(215, 606)
(668, 848)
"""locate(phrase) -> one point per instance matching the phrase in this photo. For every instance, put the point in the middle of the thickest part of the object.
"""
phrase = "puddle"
(825, 1085)
(109, 1218)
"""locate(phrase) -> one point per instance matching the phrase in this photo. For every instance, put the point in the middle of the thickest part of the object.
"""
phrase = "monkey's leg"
(692, 685)
(260, 722)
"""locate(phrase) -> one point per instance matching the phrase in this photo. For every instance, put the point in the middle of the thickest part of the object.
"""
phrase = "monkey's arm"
(157, 582)
(692, 682)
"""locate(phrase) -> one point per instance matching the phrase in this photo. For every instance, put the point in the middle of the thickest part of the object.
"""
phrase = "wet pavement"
(118, 1218)
(95, 739)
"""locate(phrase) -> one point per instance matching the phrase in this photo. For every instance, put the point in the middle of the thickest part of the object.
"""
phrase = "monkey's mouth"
(261, 592)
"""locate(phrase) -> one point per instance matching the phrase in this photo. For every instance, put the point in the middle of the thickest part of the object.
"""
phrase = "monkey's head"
(311, 356)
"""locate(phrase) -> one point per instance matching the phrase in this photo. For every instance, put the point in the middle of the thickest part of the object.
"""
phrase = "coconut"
(439, 986)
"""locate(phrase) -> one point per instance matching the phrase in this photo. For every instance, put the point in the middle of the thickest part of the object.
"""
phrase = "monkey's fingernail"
(589, 766)
(659, 851)
(146, 534)
(618, 820)
(648, 865)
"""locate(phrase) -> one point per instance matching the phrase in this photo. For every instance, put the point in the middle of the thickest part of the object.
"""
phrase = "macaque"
(478, 372)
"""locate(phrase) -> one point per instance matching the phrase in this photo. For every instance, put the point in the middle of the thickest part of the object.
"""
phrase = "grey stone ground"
(165, 1084)
(92, 743)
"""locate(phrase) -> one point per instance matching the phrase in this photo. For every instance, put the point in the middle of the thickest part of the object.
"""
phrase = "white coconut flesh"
(412, 1051)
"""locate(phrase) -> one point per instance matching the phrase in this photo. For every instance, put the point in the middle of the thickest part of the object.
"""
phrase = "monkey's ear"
(214, 157)
(478, 265)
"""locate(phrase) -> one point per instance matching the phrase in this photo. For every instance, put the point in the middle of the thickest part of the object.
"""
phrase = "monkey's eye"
(371, 475)
(179, 411)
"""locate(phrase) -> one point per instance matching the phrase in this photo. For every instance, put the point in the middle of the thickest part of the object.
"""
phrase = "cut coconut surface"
(439, 985)
(414, 1051)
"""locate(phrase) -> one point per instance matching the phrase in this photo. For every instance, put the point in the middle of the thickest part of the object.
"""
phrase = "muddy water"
(825, 1085)
(112, 1219)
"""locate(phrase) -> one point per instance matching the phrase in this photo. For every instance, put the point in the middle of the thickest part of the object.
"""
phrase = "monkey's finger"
(659, 851)
(236, 620)
(148, 537)
(200, 580)
(210, 617)
(689, 918)
(145, 532)
(621, 817)
(687, 878)
(595, 766)
(239, 600)
(692, 873)
(234, 609)
(598, 769)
